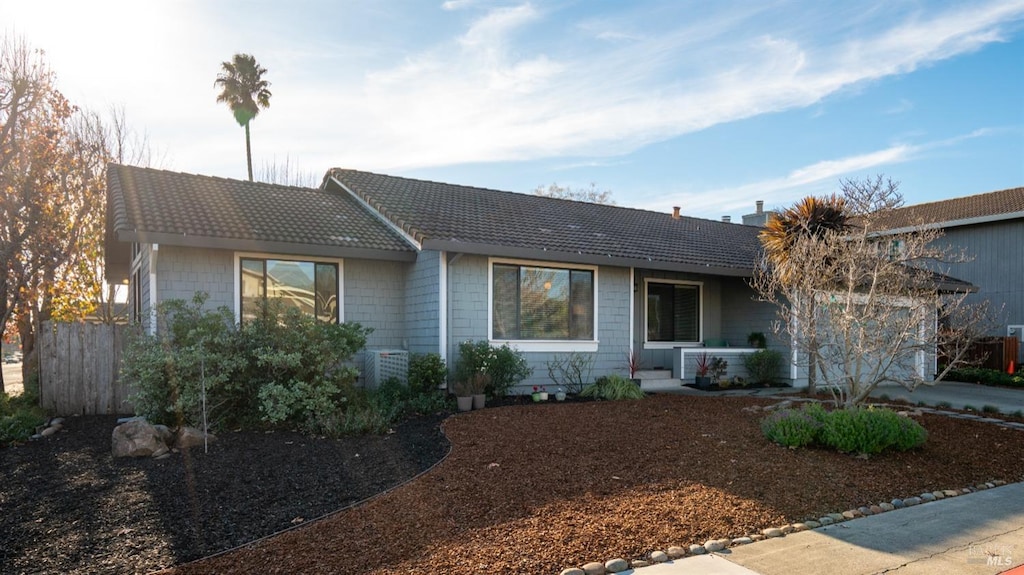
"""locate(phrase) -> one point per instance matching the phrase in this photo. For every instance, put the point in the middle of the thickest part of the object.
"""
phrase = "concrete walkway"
(958, 395)
(980, 533)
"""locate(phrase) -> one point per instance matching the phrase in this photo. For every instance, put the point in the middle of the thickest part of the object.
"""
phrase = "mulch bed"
(526, 489)
(67, 506)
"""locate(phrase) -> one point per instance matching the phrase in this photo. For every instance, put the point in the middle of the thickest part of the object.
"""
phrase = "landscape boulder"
(190, 437)
(137, 438)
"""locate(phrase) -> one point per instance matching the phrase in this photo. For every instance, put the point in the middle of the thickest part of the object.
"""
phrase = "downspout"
(442, 312)
(154, 251)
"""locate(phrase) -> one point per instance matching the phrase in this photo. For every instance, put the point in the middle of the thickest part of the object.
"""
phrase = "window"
(673, 312)
(542, 303)
(311, 287)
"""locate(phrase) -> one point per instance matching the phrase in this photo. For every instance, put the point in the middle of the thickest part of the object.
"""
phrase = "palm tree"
(810, 218)
(245, 91)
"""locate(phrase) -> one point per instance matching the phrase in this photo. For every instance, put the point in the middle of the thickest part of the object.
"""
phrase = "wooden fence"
(78, 368)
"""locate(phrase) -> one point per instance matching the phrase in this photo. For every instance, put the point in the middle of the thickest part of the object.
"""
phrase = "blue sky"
(705, 105)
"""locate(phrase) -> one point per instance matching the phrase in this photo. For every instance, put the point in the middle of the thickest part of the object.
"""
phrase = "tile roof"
(174, 208)
(991, 206)
(475, 220)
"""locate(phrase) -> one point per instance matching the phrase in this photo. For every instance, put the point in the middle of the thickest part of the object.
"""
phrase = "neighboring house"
(989, 228)
(428, 265)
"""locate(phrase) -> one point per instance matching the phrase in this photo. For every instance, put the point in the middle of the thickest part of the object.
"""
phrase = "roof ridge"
(117, 165)
(332, 171)
(958, 198)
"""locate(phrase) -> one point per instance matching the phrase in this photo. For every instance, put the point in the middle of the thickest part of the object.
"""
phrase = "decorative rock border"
(618, 565)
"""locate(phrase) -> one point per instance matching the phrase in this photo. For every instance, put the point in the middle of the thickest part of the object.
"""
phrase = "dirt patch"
(527, 489)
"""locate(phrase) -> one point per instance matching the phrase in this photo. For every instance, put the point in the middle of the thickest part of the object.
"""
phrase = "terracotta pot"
(465, 403)
(479, 400)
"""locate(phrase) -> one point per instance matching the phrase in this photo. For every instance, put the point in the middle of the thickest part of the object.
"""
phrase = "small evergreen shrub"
(427, 372)
(763, 365)
(613, 388)
(850, 430)
(505, 366)
(793, 427)
(870, 430)
(986, 376)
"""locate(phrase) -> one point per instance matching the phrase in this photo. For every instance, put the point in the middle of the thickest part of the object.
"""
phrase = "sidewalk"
(980, 533)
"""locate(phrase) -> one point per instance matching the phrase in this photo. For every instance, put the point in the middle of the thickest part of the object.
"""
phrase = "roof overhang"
(283, 248)
(987, 219)
(455, 246)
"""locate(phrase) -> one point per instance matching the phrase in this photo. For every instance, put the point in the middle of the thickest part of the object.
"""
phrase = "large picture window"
(542, 303)
(311, 287)
(673, 312)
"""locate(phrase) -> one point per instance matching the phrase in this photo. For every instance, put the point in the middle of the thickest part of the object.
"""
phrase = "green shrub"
(870, 430)
(794, 427)
(989, 409)
(505, 366)
(20, 415)
(985, 376)
(283, 368)
(427, 372)
(613, 388)
(763, 365)
(852, 430)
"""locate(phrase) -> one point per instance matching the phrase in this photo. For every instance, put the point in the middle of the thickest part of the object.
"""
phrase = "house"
(989, 228)
(428, 265)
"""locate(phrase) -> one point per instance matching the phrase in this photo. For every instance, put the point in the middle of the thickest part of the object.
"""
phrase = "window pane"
(253, 288)
(687, 313)
(505, 312)
(544, 303)
(673, 312)
(292, 283)
(327, 292)
(582, 305)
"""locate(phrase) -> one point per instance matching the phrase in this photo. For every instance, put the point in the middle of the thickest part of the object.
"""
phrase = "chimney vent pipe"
(675, 212)
(727, 219)
(760, 207)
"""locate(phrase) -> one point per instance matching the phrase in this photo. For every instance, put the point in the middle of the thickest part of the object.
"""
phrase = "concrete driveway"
(958, 395)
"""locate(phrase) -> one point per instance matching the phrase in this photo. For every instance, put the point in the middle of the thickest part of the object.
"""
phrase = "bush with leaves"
(427, 372)
(870, 430)
(795, 427)
(849, 430)
(613, 388)
(21, 414)
(281, 368)
(505, 366)
(986, 376)
(763, 365)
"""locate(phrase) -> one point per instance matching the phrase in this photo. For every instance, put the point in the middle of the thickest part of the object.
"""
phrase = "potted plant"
(463, 394)
(478, 384)
(718, 369)
(560, 394)
(536, 393)
(633, 364)
(702, 379)
(757, 340)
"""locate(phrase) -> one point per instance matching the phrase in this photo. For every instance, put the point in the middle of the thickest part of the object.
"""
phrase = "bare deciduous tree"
(590, 195)
(860, 304)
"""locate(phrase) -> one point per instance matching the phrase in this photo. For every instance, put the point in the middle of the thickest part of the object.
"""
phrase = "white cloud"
(817, 178)
(490, 97)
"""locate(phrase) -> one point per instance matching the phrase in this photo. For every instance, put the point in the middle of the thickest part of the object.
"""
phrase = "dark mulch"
(67, 506)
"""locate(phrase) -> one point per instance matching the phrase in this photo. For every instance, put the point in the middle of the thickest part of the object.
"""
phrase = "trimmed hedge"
(986, 376)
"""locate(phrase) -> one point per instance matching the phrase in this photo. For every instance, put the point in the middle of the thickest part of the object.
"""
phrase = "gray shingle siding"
(181, 272)
(422, 303)
(375, 297)
(997, 267)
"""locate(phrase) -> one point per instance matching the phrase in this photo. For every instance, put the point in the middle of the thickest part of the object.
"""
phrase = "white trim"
(700, 320)
(632, 309)
(237, 274)
(372, 210)
(442, 304)
(549, 346)
(154, 251)
(554, 346)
